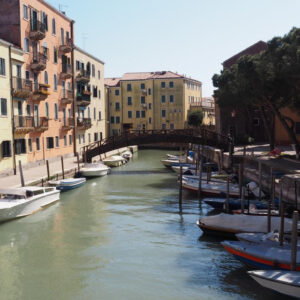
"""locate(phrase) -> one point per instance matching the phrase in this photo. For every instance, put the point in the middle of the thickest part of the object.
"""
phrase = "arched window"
(45, 77)
(55, 82)
(89, 112)
(47, 109)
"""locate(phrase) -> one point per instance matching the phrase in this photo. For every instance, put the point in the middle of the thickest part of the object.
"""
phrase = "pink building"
(46, 36)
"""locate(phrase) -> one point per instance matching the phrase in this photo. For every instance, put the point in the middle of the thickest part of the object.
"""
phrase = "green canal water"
(121, 237)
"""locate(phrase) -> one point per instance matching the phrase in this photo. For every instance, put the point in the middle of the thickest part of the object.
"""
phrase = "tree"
(195, 118)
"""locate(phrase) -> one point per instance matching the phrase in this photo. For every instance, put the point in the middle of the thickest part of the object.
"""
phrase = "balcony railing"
(66, 96)
(83, 98)
(83, 76)
(23, 124)
(22, 88)
(67, 46)
(68, 123)
(84, 123)
(41, 124)
(39, 60)
(40, 91)
(66, 71)
(37, 30)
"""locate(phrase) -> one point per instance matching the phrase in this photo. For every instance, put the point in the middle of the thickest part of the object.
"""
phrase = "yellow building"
(12, 106)
(90, 99)
(149, 100)
(207, 105)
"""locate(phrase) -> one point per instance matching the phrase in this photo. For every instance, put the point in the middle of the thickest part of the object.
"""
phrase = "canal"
(121, 237)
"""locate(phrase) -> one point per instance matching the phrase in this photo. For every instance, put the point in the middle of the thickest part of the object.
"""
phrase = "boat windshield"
(11, 197)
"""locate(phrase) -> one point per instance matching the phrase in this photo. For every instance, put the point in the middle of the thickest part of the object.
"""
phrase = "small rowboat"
(263, 255)
(67, 184)
(284, 282)
(114, 161)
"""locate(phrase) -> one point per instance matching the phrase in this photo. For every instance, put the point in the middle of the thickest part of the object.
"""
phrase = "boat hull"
(94, 173)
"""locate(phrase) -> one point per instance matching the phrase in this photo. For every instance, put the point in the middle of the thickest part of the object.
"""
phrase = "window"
(6, 148)
(56, 142)
(143, 100)
(163, 126)
(26, 44)
(142, 86)
(62, 36)
(137, 114)
(150, 120)
(117, 120)
(99, 74)
(95, 91)
(100, 116)
(55, 82)
(46, 77)
(89, 137)
(150, 105)
(65, 140)
(143, 112)
(171, 126)
(20, 146)
(44, 18)
(89, 112)
(99, 94)
(47, 109)
(129, 101)
(55, 111)
(30, 145)
(53, 27)
(128, 87)
(28, 110)
(79, 139)
(112, 120)
(101, 136)
(55, 55)
(95, 113)
(78, 65)
(149, 91)
(163, 113)
(93, 70)
(25, 12)
(95, 136)
(162, 84)
(129, 114)
(37, 144)
(83, 138)
(2, 66)
(171, 98)
(163, 99)
(70, 139)
(27, 76)
(3, 107)
(171, 84)
(117, 106)
(117, 92)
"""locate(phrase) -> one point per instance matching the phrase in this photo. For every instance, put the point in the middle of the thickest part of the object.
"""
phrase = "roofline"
(90, 55)
(5, 43)
(181, 77)
(56, 11)
(8, 44)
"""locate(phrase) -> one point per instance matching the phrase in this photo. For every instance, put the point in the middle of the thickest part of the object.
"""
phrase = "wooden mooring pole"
(180, 190)
(281, 232)
(259, 180)
(294, 240)
(78, 164)
(240, 178)
(62, 167)
(48, 170)
(21, 174)
(269, 216)
(243, 200)
(200, 177)
(227, 194)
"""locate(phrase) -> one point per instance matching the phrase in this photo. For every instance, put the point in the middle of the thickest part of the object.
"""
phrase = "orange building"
(46, 37)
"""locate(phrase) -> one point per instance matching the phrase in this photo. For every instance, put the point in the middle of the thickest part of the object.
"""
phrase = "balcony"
(39, 61)
(83, 98)
(67, 46)
(23, 124)
(22, 88)
(41, 124)
(40, 92)
(83, 76)
(37, 30)
(66, 71)
(68, 123)
(83, 124)
(144, 92)
(66, 96)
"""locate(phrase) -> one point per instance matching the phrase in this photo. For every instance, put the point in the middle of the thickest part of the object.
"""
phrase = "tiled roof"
(112, 81)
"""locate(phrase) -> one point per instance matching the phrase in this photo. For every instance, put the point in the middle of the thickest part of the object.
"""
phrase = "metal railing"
(84, 122)
(68, 122)
(67, 69)
(37, 26)
(20, 84)
(23, 122)
(66, 94)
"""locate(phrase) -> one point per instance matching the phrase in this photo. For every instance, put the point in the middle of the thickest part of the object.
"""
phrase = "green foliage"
(195, 118)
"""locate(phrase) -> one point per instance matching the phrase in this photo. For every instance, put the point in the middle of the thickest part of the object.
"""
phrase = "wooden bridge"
(199, 136)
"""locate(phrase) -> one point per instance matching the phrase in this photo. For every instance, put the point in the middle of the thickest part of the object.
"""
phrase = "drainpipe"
(73, 85)
(108, 112)
(12, 114)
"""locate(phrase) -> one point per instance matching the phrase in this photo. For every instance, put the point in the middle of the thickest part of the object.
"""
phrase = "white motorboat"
(67, 184)
(229, 225)
(127, 155)
(24, 201)
(94, 170)
(114, 161)
(284, 282)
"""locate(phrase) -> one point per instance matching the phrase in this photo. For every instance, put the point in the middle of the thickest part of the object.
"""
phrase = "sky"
(191, 37)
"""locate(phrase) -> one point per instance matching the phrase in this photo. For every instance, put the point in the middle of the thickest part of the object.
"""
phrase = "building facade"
(207, 105)
(90, 99)
(44, 117)
(149, 100)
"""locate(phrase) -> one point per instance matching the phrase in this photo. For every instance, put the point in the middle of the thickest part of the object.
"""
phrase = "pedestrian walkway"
(38, 173)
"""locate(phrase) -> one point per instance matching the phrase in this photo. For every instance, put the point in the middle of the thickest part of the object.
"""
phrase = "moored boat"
(262, 255)
(67, 184)
(114, 161)
(229, 225)
(24, 201)
(284, 282)
(127, 155)
(94, 170)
